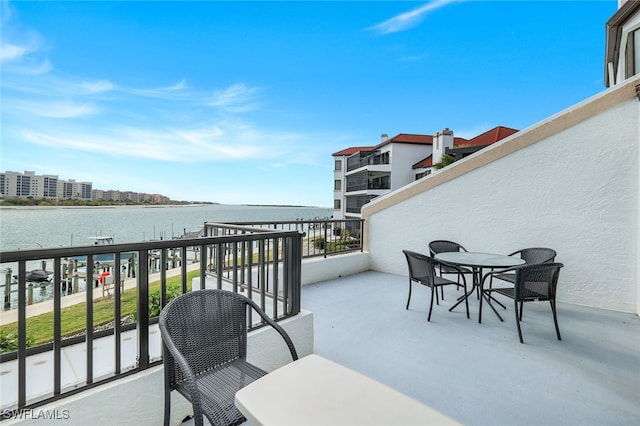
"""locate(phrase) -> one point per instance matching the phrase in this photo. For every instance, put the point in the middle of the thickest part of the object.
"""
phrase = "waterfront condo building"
(363, 173)
(30, 185)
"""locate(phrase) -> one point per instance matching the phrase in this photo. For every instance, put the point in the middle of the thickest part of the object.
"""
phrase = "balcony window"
(633, 54)
(337, 185)
(337, 205)
(423, 174)
(338, 166)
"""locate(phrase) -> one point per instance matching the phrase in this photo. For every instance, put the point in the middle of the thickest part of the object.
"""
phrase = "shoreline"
(96, 207)
(154, 206)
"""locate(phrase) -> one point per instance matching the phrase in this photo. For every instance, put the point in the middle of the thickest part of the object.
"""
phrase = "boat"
(99, 241)
(38, 276)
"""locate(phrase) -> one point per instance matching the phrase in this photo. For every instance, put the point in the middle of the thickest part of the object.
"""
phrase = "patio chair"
(422, 270)
(204, 335)
(531, 256)
(442, 246)
(533, 283)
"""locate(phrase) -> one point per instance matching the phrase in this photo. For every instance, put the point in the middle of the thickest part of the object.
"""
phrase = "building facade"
(622, 51)
(364, 173)
(30, 185)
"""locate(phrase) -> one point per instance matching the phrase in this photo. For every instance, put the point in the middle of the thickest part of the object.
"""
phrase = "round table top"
(480, 260)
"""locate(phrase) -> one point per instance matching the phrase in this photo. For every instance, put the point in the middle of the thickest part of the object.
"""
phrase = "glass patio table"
(477, 262)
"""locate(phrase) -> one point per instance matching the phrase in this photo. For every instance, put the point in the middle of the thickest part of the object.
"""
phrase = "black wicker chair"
(204, 335)
(442, 246)
(531, 256)
(422, 270)
(533, 283)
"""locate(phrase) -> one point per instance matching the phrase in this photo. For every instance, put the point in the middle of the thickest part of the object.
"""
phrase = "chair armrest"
(276, 326)
(458, 269)
(495, 272)
(189, 376)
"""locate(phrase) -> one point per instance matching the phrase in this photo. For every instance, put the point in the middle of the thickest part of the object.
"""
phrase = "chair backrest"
(443, 246)
(537, 281)
(421, 267)
(208, 327)
(533, 255)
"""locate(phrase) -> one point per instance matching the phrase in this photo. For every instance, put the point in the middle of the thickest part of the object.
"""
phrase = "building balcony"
(479, 373)
(452, 364)
(369, 188)
(365, 160)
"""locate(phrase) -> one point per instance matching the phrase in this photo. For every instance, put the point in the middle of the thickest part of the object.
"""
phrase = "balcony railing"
(321, 237)
(264, 264)
(357, 161)
(368, 186)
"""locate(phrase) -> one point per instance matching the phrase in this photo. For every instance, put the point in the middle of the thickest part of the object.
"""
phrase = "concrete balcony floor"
(480, 374)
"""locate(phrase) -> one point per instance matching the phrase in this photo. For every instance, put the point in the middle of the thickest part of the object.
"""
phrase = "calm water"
(32, 228)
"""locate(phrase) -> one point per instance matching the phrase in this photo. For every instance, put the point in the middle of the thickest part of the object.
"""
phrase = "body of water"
(24, 228)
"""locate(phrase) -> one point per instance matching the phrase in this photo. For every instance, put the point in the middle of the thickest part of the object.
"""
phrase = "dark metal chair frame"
(204, 335)
(422, 270)
(533, 283)
(442, 246)
(531, 256)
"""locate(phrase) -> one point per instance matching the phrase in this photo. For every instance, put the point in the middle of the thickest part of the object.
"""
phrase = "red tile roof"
(459, 141)
(408, 138)
(352, 150)
(487, 138)
(425, 162)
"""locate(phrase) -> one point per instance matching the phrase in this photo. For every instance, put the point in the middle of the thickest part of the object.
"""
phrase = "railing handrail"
(65, 252)
(329, 231)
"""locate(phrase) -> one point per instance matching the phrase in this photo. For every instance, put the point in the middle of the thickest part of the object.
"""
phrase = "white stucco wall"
(575, 191)
(319, 269)
(405, 155)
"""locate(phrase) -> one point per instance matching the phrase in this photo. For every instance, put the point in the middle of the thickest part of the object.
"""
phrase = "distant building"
(622, 51)
(364, 173)
(73, 189)
(124, 196)
(30, 185)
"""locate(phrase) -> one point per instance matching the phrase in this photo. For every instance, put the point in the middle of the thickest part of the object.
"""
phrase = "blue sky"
(244, 102)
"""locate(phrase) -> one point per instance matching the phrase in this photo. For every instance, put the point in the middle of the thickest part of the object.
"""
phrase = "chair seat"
(218, 389)
(442, 281)
(437, 281)
(530, 294)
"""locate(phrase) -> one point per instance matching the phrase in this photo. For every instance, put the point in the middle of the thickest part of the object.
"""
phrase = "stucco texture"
(575, 191)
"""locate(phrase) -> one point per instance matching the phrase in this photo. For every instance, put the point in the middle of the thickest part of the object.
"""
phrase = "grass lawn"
(40, 327)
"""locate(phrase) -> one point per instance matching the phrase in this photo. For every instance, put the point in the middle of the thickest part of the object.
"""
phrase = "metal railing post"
(143, 309)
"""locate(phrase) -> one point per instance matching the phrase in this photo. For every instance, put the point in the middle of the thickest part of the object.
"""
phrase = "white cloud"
(176, 91)
(97, 86)
(237, 98)
(408, 20)
(10, 52)
(58, 109)
(212, 143)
